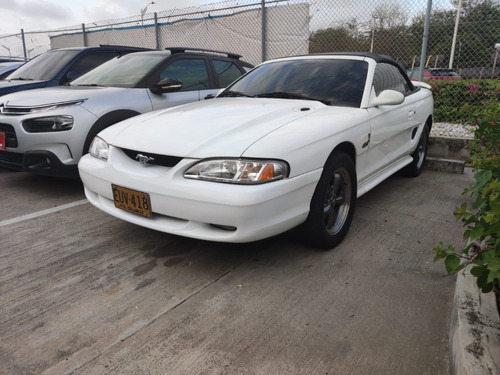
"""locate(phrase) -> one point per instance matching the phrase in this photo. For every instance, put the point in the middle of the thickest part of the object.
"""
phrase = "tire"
(417, 165)
(332, 204)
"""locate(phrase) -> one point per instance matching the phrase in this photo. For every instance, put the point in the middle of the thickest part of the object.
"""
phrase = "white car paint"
(303, 133)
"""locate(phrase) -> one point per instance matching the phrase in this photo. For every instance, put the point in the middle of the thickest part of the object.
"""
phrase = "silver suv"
(46, 131)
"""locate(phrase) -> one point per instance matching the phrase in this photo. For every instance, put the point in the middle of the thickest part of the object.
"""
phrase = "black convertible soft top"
(374, 56)
(371, 55)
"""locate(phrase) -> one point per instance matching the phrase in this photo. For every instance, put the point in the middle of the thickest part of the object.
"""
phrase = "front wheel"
(332, 204)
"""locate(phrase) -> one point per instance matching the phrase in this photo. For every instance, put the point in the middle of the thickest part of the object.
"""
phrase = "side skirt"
(369, 183)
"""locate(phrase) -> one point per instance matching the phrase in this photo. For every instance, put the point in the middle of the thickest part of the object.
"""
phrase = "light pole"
(497, 48)
(455, 32)
(143, 11)
(373, 32)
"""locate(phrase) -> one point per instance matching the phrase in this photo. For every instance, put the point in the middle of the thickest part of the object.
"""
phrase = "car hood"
(223, 127)
(53, 95)
(9, 86)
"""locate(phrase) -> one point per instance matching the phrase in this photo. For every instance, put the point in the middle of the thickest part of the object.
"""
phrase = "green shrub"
(451, 96)
(482, 219)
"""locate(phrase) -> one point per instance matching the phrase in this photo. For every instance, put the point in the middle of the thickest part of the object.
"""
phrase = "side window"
(388, 77)
(88, 62)
(192, 72)
(226, 71)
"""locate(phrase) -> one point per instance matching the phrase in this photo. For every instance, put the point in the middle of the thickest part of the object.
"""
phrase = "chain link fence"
(463, 34)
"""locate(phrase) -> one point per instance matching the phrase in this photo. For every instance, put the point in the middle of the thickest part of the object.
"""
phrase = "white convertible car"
(290, 144)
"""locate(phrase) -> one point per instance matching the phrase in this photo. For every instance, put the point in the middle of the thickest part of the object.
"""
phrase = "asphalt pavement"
(84, 293)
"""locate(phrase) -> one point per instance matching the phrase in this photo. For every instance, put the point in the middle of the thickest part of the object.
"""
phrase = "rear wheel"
(333, 202)
(417, 165)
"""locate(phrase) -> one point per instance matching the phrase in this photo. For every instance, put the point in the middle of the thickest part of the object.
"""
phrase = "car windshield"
(124, 71)
(45, 66)
(335, 82)
(444, 73)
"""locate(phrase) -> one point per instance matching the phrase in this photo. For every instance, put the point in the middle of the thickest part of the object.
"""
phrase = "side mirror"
(166, 85)
(388, 97)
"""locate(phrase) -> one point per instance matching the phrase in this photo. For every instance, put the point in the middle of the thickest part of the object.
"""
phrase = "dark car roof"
(101, 47)
(7, 59)
(199, 51)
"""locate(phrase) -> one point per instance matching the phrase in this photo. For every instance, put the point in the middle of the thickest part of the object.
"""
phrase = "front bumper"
(48, 153)
(199, 209)
(40, 162)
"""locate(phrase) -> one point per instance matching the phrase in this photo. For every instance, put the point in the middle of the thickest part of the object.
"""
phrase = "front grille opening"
(15, 111)
(10, 135)
(227, 228)
(155, 159)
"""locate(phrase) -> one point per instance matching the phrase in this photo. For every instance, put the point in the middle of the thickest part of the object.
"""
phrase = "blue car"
(59, 66)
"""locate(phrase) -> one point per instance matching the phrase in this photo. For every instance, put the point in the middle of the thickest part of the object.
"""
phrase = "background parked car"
(433, 74)
(48, 130)
(7, 68)
(59, 66)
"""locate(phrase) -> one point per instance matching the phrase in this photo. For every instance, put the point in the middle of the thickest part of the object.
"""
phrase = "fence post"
(157, 32)
(455, 32)
(425, 40)
(264, 31)
(84, 35)
(24, 45)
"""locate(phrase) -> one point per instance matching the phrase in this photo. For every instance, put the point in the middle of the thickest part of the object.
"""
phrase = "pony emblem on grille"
(143, 159)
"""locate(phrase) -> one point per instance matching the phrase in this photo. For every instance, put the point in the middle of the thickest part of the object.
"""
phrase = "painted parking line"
(42, 213)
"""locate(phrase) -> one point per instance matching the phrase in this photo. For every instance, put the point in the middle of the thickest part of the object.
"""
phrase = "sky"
(36, 15)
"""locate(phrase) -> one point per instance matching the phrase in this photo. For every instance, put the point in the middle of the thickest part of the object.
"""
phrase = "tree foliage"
(390, 33)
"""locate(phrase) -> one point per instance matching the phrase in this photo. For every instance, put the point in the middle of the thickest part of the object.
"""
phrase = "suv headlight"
(99, 149)
(238, 171)
(48, 124)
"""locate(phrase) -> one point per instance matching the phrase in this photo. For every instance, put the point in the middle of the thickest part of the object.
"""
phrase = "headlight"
(99, 149)
(238, 171)
(48, 124)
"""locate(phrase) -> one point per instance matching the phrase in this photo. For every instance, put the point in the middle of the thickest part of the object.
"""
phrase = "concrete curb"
(447, 154)
(474, 338)
(444, 165)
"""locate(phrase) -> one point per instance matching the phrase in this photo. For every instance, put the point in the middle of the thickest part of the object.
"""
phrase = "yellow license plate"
(133, 201)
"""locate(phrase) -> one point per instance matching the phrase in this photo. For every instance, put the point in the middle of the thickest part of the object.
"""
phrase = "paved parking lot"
(84, 293)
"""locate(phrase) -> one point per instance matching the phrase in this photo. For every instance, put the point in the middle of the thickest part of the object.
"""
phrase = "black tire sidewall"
(313, 228)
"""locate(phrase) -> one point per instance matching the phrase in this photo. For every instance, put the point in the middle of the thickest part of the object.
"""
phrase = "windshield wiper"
(20, 79)
(235, 93)
(288, 95)
(90, 85)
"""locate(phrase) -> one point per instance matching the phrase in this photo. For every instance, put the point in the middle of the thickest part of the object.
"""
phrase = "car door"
(193, 72)
(393, 127)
